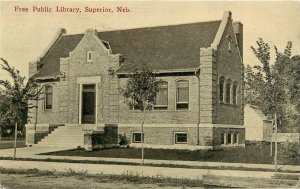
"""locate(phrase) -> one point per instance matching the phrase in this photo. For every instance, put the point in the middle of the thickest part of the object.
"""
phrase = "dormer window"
(89, 57)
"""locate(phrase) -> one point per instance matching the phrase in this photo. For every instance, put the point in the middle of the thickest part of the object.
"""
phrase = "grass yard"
(10, 144)
(250, 154)
(33, 178)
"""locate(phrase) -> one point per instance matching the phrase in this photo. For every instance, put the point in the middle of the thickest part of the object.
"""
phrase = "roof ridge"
(158, 26)
(181, 24)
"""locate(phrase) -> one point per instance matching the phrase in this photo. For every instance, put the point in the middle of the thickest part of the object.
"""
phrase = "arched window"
(182, 95)
(228, 90)
(234, 93)
(161, 101)
(221, 89)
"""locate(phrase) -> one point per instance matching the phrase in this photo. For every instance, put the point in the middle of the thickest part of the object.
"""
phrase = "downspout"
(197, 73)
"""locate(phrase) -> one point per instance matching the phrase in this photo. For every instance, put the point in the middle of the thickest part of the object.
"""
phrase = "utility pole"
(275, 155)
(271, 150)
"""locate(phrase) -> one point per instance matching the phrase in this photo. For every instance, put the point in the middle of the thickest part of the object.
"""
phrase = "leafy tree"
(5, 123)
(140, 93)
(275, 87)
(17, 95)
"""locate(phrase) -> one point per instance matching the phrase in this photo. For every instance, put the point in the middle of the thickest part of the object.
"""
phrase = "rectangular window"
(161, 101)
(48, 100)
(229, 138)
(182, 95)
(235, 138)
(137, 137)
(89, 56)
(180, 138)
(228, 91)
(234, 94)
(223, 138)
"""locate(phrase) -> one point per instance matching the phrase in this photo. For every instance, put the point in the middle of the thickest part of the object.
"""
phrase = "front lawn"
(250, 154)
(10, 144)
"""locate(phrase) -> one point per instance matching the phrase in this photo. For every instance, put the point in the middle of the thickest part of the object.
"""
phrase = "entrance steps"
(69, 136)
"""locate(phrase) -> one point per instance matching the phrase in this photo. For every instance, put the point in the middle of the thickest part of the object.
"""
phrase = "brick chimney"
(238, 31)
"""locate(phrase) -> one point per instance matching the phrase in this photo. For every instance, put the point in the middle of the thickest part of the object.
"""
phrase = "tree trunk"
(16, 135)
(144, 112)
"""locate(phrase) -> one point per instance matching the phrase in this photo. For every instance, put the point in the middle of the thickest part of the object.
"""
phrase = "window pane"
(221, 89)
(228, 85)
(182, 91)
(235, 136)
(234, 94)
(222, 138)
(49, 101)
(48, 97)
(162, 95)
(137, 137)
(182, 106)
(49, 89)
(183, 94)
(229, 138)
(181, 138)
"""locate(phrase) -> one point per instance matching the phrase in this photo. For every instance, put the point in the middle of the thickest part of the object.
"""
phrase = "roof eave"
(163, 71)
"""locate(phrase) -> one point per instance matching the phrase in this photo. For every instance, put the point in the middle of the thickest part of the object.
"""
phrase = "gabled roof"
(174, 47)
(51, 62)
(161, 48)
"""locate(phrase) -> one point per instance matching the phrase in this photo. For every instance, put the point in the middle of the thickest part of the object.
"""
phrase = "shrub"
(290, 154)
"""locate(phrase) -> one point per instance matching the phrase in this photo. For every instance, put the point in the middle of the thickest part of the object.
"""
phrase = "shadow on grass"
(257, 154)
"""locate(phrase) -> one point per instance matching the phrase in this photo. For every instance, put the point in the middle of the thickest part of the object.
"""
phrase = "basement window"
(137, 137)
(180, 138)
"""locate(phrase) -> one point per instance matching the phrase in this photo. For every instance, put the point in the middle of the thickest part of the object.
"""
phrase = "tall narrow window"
(235, 138)
(89, 56)
(48, 97)
(234, 93)
(221, 89)
(161, 102)
(228, 90)
(229, 138)
(223, 138)
(182, 100)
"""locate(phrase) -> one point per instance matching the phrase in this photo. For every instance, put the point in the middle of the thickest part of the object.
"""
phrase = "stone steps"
(65, 136)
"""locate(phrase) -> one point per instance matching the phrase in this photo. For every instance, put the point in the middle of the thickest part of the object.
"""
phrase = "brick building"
(200, 101)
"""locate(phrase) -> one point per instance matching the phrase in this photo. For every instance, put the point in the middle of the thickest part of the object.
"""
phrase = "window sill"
(139, 111)
(48, 111)
(228, 104)
(229, 145)
(180, 144)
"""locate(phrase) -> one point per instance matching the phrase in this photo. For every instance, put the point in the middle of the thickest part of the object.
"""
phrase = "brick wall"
(49, 116)
(230, 66)
(165, 135)
(67, 90)
(218, 131)
(170, 116)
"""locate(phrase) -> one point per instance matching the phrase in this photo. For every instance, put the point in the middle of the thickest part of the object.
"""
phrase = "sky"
(25, 35)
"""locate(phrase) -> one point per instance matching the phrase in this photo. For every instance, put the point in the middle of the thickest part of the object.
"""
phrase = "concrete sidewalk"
(32, 152)
(134, 170)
